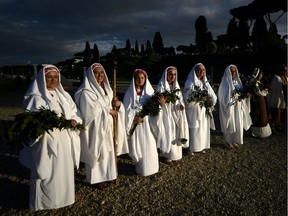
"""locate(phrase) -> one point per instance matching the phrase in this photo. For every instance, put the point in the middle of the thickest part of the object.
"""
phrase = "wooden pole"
(115, 118)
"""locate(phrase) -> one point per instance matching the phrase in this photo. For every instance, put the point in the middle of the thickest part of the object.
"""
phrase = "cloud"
(51, 31)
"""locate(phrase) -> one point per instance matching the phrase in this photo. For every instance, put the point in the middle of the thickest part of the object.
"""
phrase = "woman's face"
(171, 75)
(260, 76)
(233, 71)
(99, 74)
(140, 80)
(200, 72)
(52, 80)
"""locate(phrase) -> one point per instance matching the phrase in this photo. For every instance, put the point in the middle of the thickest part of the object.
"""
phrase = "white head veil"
(164, 85)
(90, 83)
(192, 81)
(131, 94)
(256, 72)
(226, 86)
(38, 88)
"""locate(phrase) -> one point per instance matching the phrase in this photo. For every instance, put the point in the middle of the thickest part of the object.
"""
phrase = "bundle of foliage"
(244, 92)
(29, 126)
(152, 107)
(240, 94)
(201, 97)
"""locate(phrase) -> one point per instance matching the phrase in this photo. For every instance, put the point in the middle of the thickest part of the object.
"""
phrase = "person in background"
(142, 143)
(53, 156)
(284, 79)
(94, 98)
(259, 114)
(277, 100)
(234, 108)
(199, 109)
(174, 131)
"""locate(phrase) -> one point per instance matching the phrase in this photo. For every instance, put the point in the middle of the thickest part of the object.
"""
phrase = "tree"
(96, 56)
(149, 49)
(189, 50)
(203, 37)
(243, 34)
(158, 43)
(137, 52)
(212, 48)
(87, 54)
(142, 50)
(128, 47)
(114, 51)
(201, 29)
(262, 8)
(148, 45)
(259, 32)
(232, 33)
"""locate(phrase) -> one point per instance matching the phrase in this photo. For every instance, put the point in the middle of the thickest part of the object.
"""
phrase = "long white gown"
(234, 116)
(51, 157)
(172, 122)
(142, 144)
(97, 144)
(199, 122)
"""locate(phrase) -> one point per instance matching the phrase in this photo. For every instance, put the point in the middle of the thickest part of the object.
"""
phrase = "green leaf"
(30, 125)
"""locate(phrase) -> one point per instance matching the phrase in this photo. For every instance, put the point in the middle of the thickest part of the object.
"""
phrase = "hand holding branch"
(161, 100)
(138, 120)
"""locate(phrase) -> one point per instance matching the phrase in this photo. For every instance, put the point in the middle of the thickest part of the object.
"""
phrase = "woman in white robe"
(174, 132)
(234, 113)
(52, 156)
(94, 99)
(199, 121)
(142, 143)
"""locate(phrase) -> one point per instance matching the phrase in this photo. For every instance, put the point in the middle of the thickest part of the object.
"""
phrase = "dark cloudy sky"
(50, 31)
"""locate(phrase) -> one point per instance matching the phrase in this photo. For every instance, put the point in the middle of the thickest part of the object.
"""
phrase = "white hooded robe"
(142, 144)
(97, 144)
(234, 116)
(52, 156)
(199, 122)
(174, 127)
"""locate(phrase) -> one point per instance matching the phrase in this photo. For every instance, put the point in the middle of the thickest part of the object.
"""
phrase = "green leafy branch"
(203, 98)
(152, 107)
(29, 126)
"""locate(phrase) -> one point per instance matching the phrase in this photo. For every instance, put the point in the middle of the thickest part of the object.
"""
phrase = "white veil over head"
(192, 79)
(226, 86)
(131, 93)
(90, 82)
(38, 89)
(38, 86)
(163, 84)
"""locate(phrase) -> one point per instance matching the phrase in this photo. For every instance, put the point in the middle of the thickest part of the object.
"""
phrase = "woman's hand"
(113, 113)
(116, 103)
(74, 122)
(205, 98)
(138, 120)
(161, 100)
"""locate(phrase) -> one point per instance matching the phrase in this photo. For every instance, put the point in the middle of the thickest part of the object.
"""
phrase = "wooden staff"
(115, 118)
